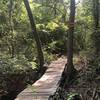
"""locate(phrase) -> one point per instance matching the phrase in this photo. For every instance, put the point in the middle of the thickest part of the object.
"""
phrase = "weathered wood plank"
(46, 85)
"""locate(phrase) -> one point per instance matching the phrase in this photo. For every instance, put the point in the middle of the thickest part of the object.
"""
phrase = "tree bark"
(96, 34)
(96, 13)
(70, 35)
(69, 70)
(35, 34)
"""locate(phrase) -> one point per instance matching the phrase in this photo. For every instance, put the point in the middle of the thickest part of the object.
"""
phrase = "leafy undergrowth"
(86, 86)
(87, 83)
(15, 74)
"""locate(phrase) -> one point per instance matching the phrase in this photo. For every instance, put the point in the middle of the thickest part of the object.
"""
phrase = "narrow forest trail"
(47, 84)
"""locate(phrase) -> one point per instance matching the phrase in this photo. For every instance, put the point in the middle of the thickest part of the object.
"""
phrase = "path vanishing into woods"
(46, 85)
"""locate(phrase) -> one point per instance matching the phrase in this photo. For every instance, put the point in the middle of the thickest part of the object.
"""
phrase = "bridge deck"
(46, 85)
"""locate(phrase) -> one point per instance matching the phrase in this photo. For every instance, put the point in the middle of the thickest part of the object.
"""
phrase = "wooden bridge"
(46, 85)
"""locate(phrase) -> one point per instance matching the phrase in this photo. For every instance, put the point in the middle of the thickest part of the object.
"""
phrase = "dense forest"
(33, 33)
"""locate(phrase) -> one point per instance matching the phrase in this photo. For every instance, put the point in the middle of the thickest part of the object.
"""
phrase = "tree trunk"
(10, 8)
(35, 34)
(69, 70)
(70, 35)
(96, 34)
(96, 13)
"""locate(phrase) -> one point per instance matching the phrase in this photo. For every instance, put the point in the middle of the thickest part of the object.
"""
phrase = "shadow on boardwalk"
(46, 85)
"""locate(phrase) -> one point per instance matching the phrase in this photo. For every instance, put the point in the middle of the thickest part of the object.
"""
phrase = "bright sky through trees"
(77, 1)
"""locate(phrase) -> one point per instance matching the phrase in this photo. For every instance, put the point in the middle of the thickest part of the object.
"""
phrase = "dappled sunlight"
(49, 48)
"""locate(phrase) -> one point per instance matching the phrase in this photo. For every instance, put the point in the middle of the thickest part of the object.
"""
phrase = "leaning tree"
(35, 34)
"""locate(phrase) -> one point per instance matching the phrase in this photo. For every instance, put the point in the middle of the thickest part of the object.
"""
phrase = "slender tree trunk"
(69, 70)
(12, 44)
(96, 34)
(34, 31)
(70, 35)
(96, 13)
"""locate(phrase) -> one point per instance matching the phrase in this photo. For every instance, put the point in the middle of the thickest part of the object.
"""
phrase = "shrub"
(15, 73)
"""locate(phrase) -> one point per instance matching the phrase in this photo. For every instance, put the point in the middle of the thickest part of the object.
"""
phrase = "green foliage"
(51, 18)
(49, 57)
(58, 33)
(57, 47)
(96, 65)
(51, 26)
(71, 96)
(15, 72)
(15, 65)
(96, 41)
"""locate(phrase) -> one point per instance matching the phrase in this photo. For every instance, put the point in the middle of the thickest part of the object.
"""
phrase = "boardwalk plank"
(46, 85)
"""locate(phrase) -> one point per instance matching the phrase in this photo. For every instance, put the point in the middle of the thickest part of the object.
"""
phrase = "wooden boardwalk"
(46, 85)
